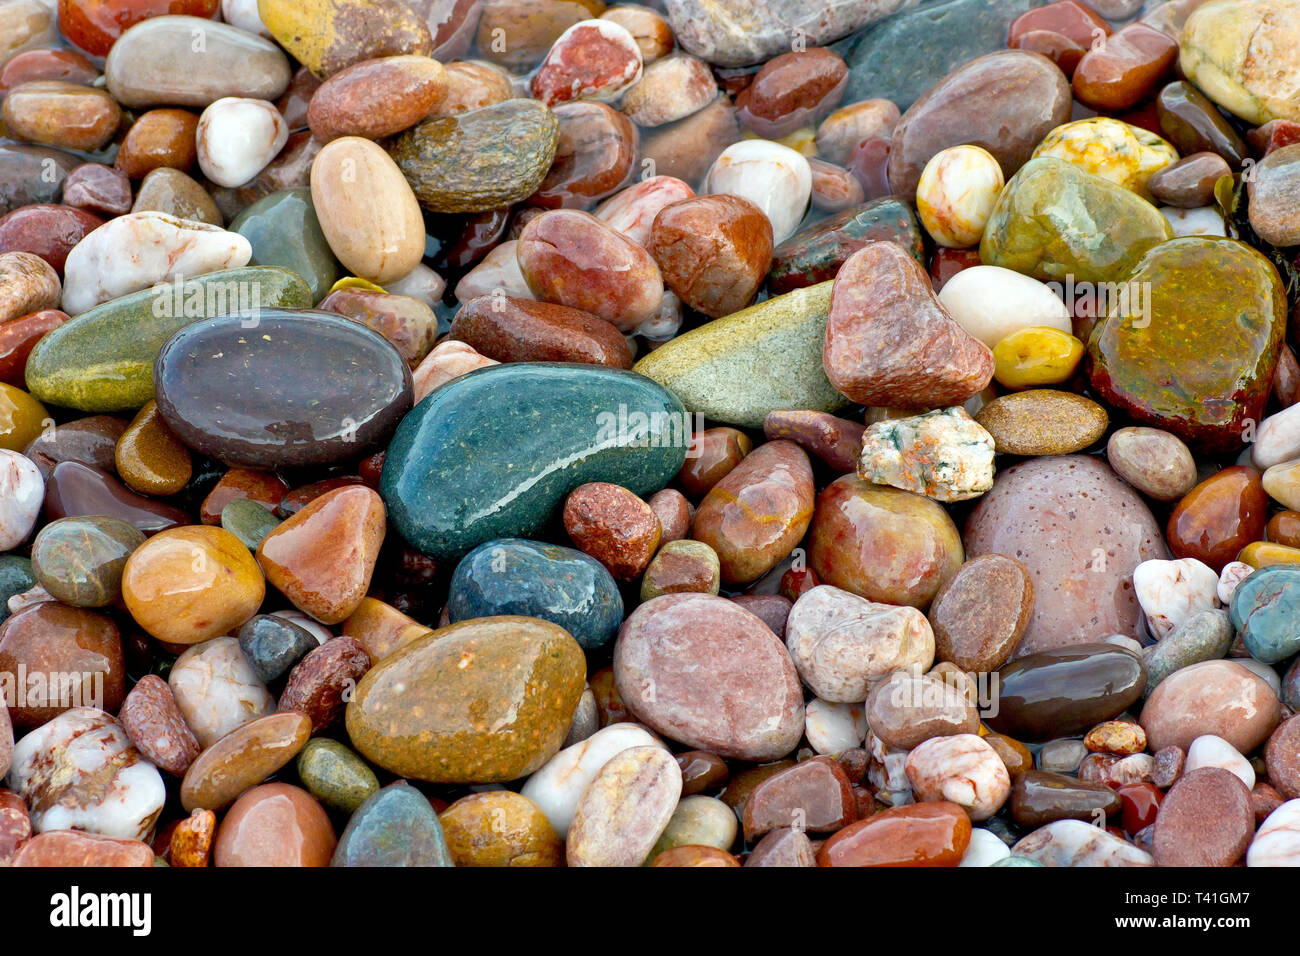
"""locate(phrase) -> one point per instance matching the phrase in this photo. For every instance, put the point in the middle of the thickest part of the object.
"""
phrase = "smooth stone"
(242, 759)
(991, 303)
(328, 409)
(1040, 797)
(482, 701)
(783, 847)
(1063, 755)
(882, 543)
(1065, 691)
(46, 230)
(670, 88)
(1263, 607)
(1205, 819)
(814, 795)
(74, 490)
(149, 458)
(726, 685)
(500, 828)
(217, 689)
(923, 834)
(1189, 183)
(1204, 636)
(27, 284)
(159, 139)
(1277, 439)
(480, 160)
(1170, 592)
(961, 769)
(1124, 70)
(882, 295)
(1211, 751)
(1005, 103)
(335, 775)
(284, 231)
(1276, 842)
(1044, 225)
(1281, 759)
(594, 156)
(323, 556)
(559, 784)
(632, 211)
(521, 330)
(275, 824)
(986, 849)
(328, 37)
(22, 418)
(740, 368)
(532, 579)
(1193, 124)
(842, 644)
(773, 177)
(237, 137)
(376, 98)
(681, 566)
(22, 490)
(380, 628)
(1233, 51)
(591, 60)
(366, 209)
(979, 614)
(1043, 421)
(1219, 517)
(154, 724)
(80, 771)
(698, 821)
(624, 809)
(834, 729)
(54, 657)
(408, 323)
(1059, 517)
(187, 585)
(1275, 197)
(273, 645)
(456, 455)
(396, 826)
(1075, 843)
(16, 577)
(80, 560)
(21, 169)
(816, 253)
(1213, 697)
(906, 709)
(171, 192)
(248, 521)
(1140, 368)
(1155, 462)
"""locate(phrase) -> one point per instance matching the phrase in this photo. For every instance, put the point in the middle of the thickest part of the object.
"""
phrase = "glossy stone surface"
(149, 458)
(458, 454)
(155, 725)
(1233, 52)
(80, 560)
(500, 828)
(816, 253)
(217, 689)
(395, 827)
(54, 657)
(1039, 797)
(284, 231)
(327, 37)
(74, 489)
(1205, 819)
(1219, 517)
(979, 615)
(722, 680)
(924, 834)
(1043, 421)
(242, 759)
(557, 584)
(484, 700)
(1044, 225)
(1213, 697)
(1066, 691)
(882, 543)
(521, 330)
(225, 393)
(46, 230)
(275, 824)
(1080, 531)
(713, 251)
(376, 98)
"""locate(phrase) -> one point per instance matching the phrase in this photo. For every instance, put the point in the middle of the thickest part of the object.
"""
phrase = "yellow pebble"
(1036, 356)
(1124, 154)
(21, 418)
(354, 282)
(1263, 554)
(803, 140)
(1282, 484)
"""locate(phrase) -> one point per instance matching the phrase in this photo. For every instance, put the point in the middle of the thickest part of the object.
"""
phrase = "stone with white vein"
(1170, 592)
(22, 490)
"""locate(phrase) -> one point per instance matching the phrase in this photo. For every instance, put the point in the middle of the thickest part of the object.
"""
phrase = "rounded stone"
(80, 561)
(274, 825)
(979, 615)
(1213, 697)
(500, 828)
(335, 775)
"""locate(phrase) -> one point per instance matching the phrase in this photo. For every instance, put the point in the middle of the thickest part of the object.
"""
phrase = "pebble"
(1281, 757)
(979, 614)
(698, 821)
(955, 194)
(670, 89)
(773, 177)
(682, 566)
(75, 848)
(1211, 751)
(501, 828)
(397, 826)
(160, 139)
(237, 138)
(149, 458)
(1219, 517)
(217, 690)
(624, 810)
(1041, 797)
(1154, 462)
(1043, 421)
(961, 769)
(1171, 592)
(924, 834)
(943, 454)
(1075, 843)
(593, 59)
(834, 728)
(1205, 635)
(154, 724)
(906, 709)
(842, 644)
(1205, 819)
(276, 824)
(688, 666)
(242, 759)
(1213, 697)
(1067, 690)
(814, 796)
(80, 771)
(22, 489)
(376, 98)
(612, 525)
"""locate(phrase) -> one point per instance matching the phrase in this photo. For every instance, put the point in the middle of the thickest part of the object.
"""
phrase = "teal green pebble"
(335, 775)
(493, 454)
(248, 521)
(1268, 607)
(102, 360)
(395, 827)
(16, 576)
(284, 231)
(80, 560)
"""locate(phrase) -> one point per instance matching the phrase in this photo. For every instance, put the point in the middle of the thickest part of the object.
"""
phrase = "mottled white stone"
(22, 490)
(79, 771)
(497, 273)
(1170, 592)
(773, 177)
(558, 785)
(961, 769)
(985, 849)
(663, 325)
(841, 643)
(956, 194)
(1075, 843)
(1205, 221)
(632, 211)
(1277, 439)
(420, 283)
(887, 772)
(832, 728)
(944, 454)
(1233, 573)
(243, 14)
(217, 690)
(140, 249)
(237, 137)
(1277, 841)
(990, 303)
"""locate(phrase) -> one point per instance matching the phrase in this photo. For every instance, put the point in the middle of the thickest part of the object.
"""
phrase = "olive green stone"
(1053, 221)
(284, 231)
(80, 560)
(483, 701)
(1042, 421)
(334, 775)
(16, 576)
(697, 821)
(480, 160)
(739, 368)
(248, 521)
(102, 360)
(1197, 358)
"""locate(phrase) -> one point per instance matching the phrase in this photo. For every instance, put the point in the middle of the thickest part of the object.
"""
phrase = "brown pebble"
(613, 526)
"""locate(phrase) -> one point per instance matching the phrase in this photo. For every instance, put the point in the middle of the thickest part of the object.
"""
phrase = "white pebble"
(1208, 750)
(773, 177)
(834, 728)
(237, 137)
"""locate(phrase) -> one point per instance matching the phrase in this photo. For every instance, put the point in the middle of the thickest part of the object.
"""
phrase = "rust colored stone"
(922, 834)
(612, 525)
(320, 685)
(72, 848)
(522, 330)
(712, 251)
(1219, 517)
(191, 842)
(155, 725)
(713, 454)
(159, 138)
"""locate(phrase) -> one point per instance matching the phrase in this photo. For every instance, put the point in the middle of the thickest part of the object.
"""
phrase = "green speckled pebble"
(248, 521)
(738, 368)
(335, 775)
(80, 560)
(16, 576)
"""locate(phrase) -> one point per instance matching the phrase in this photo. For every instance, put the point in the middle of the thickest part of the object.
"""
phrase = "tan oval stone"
(624, 810)
(243, 758)
(1043, 421)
